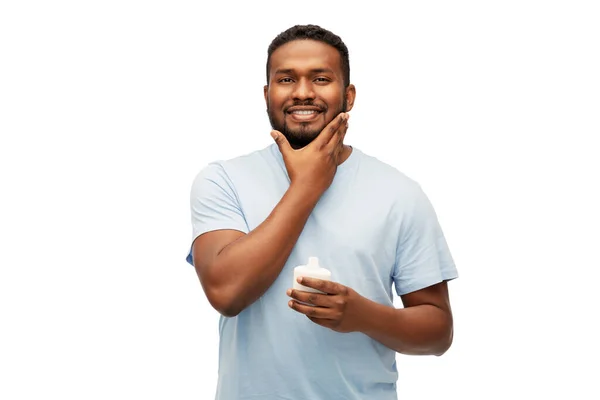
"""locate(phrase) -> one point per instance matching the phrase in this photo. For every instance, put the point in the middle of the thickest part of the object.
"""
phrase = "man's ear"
(350, 96)
(267, 95)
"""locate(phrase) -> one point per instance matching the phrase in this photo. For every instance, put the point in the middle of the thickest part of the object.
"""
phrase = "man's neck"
(345, 153)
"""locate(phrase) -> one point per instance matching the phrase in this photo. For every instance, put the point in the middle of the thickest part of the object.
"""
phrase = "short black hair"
(312, 32)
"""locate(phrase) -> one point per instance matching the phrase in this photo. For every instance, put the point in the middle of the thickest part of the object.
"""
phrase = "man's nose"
(303, 90)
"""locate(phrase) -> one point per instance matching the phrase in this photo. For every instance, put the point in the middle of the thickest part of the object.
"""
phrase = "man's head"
(308, 82)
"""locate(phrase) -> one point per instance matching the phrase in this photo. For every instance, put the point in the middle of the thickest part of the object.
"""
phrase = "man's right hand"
(314, 165)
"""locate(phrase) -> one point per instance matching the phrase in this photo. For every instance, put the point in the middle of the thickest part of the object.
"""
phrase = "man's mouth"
(303, 114)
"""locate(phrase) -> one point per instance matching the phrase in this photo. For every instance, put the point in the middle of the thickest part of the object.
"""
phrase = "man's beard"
(301, 137)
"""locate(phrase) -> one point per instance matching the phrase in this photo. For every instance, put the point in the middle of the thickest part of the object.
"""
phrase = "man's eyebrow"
(314, 71)
(322, 70)
(284, 71)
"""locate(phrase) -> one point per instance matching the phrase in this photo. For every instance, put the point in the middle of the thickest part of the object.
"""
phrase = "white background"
(109, 109)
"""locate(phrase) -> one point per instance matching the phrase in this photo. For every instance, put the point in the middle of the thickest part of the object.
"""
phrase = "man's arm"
(235, 269)
(422, 267)
(423, 327)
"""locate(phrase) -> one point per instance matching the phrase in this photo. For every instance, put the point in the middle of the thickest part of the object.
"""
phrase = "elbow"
(444, 343)
(223, 297)
(442, 349)
(229, 311)
(224, 301)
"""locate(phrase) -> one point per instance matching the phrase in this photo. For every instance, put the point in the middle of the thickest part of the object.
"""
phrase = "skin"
(306, 75)
(235, 269)
(422, 327)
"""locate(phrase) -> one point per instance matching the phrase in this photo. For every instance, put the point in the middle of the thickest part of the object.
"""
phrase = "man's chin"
(299, 140)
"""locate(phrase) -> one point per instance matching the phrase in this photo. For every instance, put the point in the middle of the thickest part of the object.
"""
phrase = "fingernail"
(299, 280)
(290, 303)
(289, 292)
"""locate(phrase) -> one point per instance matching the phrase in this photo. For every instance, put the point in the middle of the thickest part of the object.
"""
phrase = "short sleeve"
(422, 254)
(214, 204)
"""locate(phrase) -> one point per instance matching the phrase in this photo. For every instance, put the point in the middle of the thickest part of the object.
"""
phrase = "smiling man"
(257, 216)
(307, 89)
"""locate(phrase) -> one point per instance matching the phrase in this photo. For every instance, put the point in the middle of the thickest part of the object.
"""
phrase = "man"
(258, 216)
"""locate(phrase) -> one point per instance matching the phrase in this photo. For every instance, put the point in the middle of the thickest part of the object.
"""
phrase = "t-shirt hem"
(429, 281)
(206, 229)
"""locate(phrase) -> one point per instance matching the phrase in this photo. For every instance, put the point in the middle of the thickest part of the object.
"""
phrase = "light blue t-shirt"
(373, 228)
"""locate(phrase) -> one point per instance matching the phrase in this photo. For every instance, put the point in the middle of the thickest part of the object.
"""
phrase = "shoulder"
(387, 177)
(223, 168)
(255, 159)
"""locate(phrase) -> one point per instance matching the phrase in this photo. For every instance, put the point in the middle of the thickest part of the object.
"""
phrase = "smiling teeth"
(303, 112)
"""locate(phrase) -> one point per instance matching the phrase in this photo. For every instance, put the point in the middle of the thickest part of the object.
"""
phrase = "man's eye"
(321, 80)
(285, 80)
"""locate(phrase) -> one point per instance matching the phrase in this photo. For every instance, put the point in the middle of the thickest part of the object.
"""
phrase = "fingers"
(312, 311)
(324, 286)
(338, 143)
(338, 137)
(335, 146)
(331, 130)
(316, 299)
(282, 143)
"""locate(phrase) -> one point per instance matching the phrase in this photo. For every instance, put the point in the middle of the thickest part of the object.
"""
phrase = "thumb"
(281, 141)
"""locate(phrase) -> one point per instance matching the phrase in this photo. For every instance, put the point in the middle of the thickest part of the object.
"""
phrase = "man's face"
(305, 90)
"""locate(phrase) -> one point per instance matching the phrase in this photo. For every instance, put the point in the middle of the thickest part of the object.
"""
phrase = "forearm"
(247, 267)
(419, 330)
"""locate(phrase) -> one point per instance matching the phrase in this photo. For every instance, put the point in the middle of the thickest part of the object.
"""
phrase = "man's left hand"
(337, 309)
